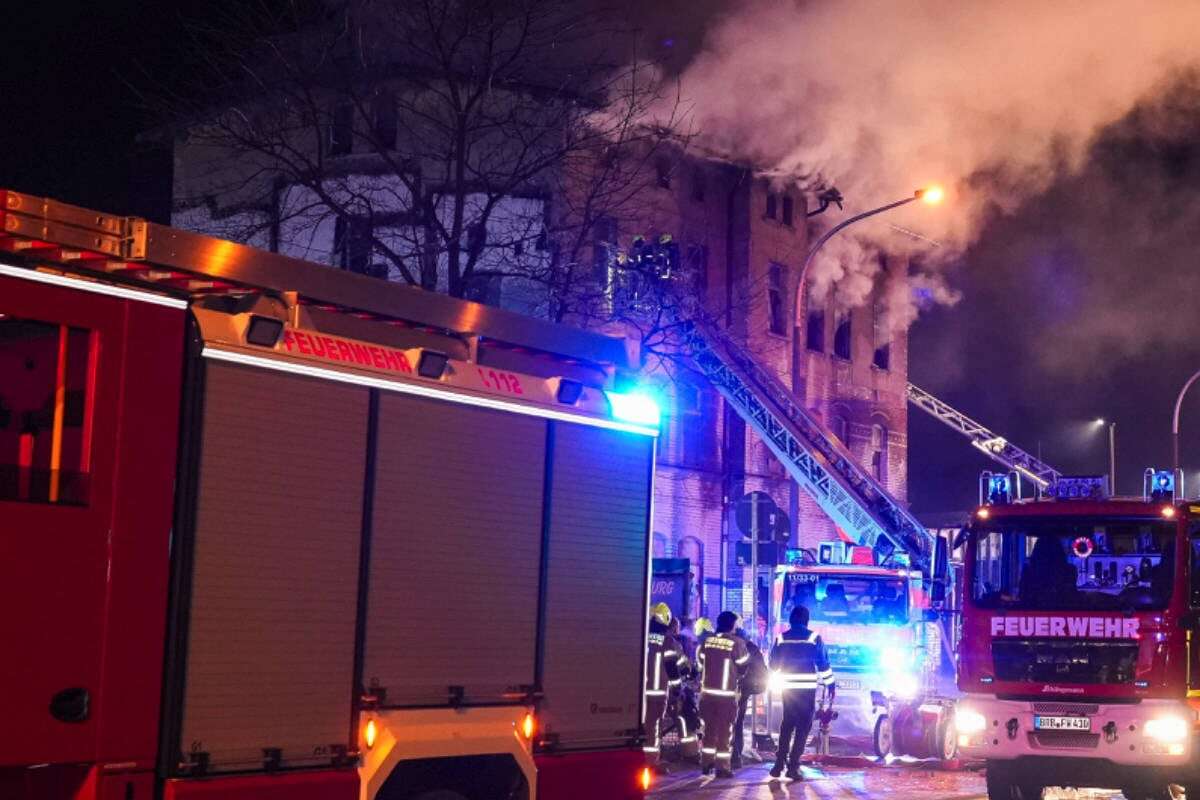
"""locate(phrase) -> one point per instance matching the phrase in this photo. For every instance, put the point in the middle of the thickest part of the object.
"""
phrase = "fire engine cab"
(883, 646)
(1077, 661)
(272, 530)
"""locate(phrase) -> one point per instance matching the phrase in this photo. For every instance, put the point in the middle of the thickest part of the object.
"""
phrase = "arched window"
(879, 454)
(691, 548)
(837, 424)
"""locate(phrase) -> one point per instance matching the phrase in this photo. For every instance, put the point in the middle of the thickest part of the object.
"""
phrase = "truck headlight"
(968, 721)
(1167, 729)
(892, 657)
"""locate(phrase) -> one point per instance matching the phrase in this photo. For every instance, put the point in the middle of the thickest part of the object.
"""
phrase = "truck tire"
(883, 736)
(1001, 787)
(439, 794)
(947, 740)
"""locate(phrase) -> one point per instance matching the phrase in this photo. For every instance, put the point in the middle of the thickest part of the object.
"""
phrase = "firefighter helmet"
(661, 612)
(702, 625)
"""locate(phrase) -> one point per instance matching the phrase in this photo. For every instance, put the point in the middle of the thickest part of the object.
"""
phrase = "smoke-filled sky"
(1066, 134)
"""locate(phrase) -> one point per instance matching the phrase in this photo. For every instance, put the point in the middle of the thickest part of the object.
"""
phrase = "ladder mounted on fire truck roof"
(146, 255)
(813, 456)
(991, 444)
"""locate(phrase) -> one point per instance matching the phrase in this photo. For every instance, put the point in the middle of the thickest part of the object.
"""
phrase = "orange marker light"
(644, 779)
(528, 726)
(369, 733)
(983, 513)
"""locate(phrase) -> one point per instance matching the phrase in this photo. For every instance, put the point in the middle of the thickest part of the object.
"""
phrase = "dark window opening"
(604, 243)
(341, 129)
(814, 334)
(662, 169)
(788, 209)
(882, 358)
(385, 121)
(476, 238)
(772, 202)
(46, 394)
(841, 335)
(352, 246)
(838, 426)
(776, 307)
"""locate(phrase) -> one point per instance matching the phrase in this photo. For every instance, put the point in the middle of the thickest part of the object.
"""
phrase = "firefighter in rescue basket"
(664, 660)
(802, 666)
(723, 658)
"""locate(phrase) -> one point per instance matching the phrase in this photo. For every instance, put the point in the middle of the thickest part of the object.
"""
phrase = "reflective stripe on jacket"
(801, 661)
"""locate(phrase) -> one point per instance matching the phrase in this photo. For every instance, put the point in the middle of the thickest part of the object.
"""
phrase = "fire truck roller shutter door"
(596, 593)
(275, 569)
(455, 548)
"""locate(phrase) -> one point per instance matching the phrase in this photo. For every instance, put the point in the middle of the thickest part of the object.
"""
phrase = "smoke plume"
(994, 99)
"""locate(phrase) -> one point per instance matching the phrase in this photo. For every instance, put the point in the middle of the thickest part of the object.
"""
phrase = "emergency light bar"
(998, 488)
(1079, 487)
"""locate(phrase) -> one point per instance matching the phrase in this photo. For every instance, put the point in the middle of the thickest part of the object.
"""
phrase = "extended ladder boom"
(813, 456)
(992, 445)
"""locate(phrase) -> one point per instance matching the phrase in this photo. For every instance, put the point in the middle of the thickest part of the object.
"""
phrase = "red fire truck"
(1077, 662)
(272, 530)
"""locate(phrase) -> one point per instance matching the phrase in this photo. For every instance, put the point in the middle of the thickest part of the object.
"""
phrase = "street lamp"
(1175, 430)
(1112, 453)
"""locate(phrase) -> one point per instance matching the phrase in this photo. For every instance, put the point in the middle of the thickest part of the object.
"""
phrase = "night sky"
(1080, 304)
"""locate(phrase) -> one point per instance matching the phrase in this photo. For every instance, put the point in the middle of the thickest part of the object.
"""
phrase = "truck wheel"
(439, 794)
(883, 736)
(947, 740)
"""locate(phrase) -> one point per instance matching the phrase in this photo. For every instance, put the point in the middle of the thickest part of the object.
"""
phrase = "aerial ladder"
(812, 455)
(991, 444)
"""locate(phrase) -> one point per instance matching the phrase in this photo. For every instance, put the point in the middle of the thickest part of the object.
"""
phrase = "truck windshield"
(1077, 565)
(833, 597)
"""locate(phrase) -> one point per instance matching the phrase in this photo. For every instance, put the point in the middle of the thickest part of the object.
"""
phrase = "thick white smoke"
(994, 99)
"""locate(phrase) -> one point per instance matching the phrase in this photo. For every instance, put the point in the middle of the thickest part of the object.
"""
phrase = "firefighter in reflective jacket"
(664, 659)
(801, 666)
(723, 658)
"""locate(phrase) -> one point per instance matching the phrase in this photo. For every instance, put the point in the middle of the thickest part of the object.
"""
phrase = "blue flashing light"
(636, 407)
(999, 490)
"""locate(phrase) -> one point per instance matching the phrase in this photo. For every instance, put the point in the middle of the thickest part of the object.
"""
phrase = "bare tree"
(450, 144)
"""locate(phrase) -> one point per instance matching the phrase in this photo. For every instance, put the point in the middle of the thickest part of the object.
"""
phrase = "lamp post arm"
(829, 234)
(1175, 421)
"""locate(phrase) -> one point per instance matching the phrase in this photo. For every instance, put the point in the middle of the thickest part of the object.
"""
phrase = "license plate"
(1062, 723)
(842, 683)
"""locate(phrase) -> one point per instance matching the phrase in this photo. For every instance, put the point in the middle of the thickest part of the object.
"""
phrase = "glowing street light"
(932, 194)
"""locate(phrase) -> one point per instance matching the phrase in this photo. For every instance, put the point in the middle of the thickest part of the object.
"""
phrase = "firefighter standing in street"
(664, 659)
(677, 700)
(803, 667)
(723, 657)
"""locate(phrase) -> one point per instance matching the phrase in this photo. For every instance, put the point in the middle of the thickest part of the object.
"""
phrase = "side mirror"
(937, 595)
(941, 560)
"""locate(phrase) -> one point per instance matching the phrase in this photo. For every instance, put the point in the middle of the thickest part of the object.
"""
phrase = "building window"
(879, 454)
(814, 323)
(662, 170)
(838, 426)
(882, 358)
(787, 209)
(604, 242)
(352, 245)
(841, 334)
(772, 202)
(341, 129)
(385, 121)
(47, 391)
(776, 307)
